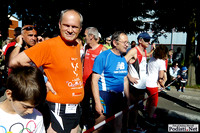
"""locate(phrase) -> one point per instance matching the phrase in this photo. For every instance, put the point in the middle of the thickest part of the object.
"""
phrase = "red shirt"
(89, 61)
(8, 46)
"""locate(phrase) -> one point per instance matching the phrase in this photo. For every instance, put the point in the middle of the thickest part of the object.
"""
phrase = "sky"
(20, 22)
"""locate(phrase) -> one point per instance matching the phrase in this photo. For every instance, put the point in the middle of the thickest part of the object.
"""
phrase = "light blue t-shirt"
(113, 69)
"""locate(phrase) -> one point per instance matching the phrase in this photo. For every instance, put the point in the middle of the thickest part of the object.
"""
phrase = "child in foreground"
(25, 90)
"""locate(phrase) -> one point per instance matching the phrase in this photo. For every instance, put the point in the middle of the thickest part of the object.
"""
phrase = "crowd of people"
(77, 84)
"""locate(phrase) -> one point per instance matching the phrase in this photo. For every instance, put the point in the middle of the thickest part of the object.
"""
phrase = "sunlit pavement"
(178, 108)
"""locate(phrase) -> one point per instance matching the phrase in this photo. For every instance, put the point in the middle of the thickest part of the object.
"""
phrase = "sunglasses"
(29, 28)
(146, 40)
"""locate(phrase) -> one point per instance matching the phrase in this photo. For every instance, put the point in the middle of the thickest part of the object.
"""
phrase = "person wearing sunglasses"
(108, 43)
(137, 61)
(27, 39)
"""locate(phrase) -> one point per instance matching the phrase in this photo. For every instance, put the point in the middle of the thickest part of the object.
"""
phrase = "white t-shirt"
(154, 66)
(17, 124)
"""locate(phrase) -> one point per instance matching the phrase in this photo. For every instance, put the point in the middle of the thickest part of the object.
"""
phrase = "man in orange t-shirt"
(60, 58)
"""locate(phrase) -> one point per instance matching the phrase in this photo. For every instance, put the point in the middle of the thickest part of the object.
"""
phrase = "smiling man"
(60, 58)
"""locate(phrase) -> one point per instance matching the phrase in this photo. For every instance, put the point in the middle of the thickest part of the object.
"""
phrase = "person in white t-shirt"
(25, 90)
(155, 78)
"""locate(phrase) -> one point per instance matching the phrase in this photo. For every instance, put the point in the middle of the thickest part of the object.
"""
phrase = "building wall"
(12, 27)
(171, 40)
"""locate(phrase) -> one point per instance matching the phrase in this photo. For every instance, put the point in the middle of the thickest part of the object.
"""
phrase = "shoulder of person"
(132, 52)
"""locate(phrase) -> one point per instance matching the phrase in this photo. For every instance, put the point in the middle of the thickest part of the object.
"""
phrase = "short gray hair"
(64, 11)
(93, 31)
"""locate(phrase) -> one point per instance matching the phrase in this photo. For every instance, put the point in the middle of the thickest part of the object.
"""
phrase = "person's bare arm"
(18, 45)
(161, 78)
(131, 79)
(151, 52)
(131, 55)
(20, 60)
(126, 90)
(95, 90)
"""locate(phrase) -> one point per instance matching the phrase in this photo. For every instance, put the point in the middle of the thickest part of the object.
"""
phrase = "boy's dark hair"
(27, 84)
(115, 36)
(160, 52)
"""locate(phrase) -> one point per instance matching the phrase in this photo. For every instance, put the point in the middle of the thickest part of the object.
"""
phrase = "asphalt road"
(178, 108)
(187, 103)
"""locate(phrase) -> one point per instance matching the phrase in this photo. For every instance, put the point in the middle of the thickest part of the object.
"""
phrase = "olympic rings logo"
(28, 127)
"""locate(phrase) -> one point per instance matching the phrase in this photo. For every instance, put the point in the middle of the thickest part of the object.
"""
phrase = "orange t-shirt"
(62, 65)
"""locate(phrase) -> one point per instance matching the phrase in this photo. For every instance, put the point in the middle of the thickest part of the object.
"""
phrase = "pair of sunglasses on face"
(146, 40)
(29, 28)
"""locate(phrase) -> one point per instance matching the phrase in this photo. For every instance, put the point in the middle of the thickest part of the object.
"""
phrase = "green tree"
(181, 15)
(107, 16)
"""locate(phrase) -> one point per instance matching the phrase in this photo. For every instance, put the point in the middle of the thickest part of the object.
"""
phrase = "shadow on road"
(179, 102)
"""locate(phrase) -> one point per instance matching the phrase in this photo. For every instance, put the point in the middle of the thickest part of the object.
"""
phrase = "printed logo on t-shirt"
(76, 83)
(74, 65)
(120, 68)
(19, 127)
(120, 65)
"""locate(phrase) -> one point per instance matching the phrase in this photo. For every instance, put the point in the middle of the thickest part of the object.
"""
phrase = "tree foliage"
(107, 16)
(110, 16)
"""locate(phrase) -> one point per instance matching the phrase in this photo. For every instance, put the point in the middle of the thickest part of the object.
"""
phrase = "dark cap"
(144, 35)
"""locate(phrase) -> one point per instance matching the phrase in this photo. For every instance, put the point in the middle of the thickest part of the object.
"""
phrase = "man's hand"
(133, 80)
(99, 108)
(19, 39)
(50, 88)
(154, 46)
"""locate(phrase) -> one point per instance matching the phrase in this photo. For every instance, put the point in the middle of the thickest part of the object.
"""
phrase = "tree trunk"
(190, 50)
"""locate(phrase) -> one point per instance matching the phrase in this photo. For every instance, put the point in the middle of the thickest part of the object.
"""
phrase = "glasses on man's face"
(146, 40)
(29, 28)
(125, 42)
(108, 40)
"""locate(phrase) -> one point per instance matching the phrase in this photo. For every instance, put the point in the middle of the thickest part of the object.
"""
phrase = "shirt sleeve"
(39, 54)
(162, 65)
(99, 64)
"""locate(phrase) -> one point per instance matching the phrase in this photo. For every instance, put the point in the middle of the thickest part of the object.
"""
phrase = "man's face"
(145, 42)
(30, 37)
(122, 43)
(108, 40)
(70, 26)
(87, 37)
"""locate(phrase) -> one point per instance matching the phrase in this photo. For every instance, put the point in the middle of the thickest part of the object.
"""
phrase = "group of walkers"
(79, 93)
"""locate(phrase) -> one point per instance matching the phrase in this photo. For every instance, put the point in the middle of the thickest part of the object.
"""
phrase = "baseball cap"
(184, 68)
(144, 35)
